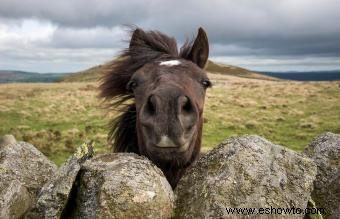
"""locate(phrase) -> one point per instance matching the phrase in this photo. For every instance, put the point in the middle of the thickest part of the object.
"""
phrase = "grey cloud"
(54, 60)
(98, 37)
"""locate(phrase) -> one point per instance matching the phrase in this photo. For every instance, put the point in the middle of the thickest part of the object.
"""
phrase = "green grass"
(288, 113)
(58, 117)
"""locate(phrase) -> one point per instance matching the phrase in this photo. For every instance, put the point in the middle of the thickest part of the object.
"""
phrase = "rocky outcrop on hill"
(325, 151)
(243, 172)
(23, 171)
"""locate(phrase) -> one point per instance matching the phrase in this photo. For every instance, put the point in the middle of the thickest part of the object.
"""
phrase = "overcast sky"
(72, 35)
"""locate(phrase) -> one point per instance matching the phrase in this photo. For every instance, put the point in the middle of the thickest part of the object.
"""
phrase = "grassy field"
(57, 117)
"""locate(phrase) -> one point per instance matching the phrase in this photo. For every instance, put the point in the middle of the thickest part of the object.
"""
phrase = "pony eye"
(206, 83)
(131, 85)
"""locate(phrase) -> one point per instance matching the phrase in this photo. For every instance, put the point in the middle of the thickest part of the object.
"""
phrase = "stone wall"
(242, 172)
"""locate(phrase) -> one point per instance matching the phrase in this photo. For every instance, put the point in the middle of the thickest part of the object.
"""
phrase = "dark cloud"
(77, 13)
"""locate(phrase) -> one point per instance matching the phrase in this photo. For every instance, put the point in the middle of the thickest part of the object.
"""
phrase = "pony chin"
(179, 156)
(175, 157)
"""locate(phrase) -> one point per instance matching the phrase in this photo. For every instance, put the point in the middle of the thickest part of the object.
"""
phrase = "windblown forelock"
(144, 48)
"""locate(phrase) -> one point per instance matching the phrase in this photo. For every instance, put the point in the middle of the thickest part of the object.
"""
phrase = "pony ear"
(135, 38)
(199, 51)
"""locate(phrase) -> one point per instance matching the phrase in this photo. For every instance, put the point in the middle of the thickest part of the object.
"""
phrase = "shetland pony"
(161, 93)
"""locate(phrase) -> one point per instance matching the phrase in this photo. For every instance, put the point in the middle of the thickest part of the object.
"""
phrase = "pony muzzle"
(166, 142)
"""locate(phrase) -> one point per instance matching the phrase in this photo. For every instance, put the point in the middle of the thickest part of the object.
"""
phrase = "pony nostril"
(151, 105)
(185, 104)
(187, 114)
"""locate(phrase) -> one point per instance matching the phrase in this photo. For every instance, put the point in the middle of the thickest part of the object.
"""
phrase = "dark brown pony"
(162, 92)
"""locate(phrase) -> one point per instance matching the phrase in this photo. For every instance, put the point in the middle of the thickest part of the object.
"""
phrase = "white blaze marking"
(166, 142)
(170, 63)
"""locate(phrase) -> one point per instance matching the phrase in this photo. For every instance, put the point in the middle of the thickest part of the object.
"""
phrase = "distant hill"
(93, 74)
(7, 76)
(232, 70)
(306, 76)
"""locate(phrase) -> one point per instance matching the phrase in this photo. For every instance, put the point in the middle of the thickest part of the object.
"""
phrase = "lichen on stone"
(85, 150)
(2, 170)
